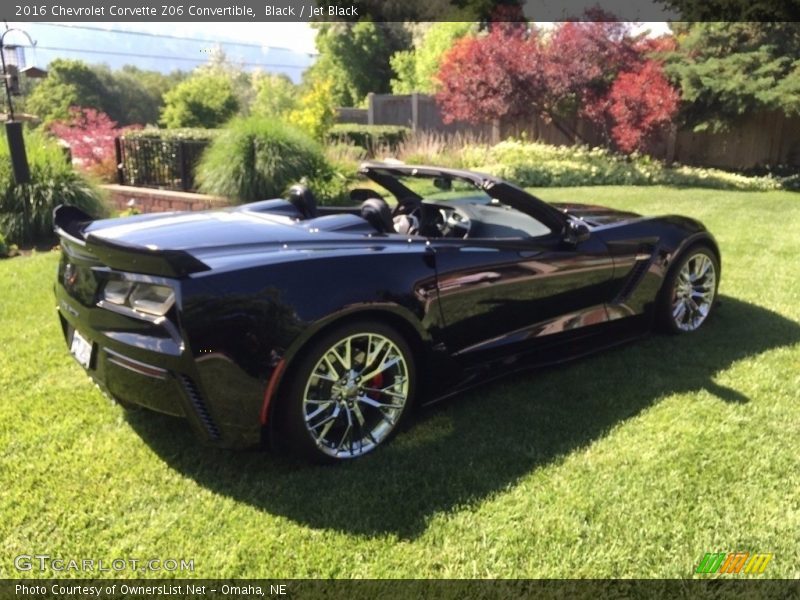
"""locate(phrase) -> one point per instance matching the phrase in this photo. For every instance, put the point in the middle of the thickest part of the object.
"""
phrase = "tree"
(594, 70)
(581, 61)
(781, 11)
(494, 76)
(641, 103)
(274, 95)
(355, 58)
(90, 135)
(204, 99)
(240, 80)
(129, 95)
(68, 83)
(138, 94)
(726, 70)
(416, 69)
(315, 113)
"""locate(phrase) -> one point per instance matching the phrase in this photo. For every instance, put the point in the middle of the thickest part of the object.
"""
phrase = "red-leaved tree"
(90, 135)
(515, 73)
(493, 76)
(641, 103)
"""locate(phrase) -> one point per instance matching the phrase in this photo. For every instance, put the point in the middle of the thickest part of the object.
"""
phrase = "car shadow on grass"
(466, 449)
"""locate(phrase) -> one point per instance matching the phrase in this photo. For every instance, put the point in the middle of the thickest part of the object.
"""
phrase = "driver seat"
(303, 200)
(378, 214)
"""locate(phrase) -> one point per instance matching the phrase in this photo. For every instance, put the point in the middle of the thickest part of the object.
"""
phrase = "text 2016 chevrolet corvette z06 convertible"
(321, 326)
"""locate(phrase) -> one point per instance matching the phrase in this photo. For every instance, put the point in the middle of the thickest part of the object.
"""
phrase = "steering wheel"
(407, 215)
(407, 206)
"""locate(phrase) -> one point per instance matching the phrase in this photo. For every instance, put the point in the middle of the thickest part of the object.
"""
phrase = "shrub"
(205, 99)
(541, 165)
(53, 182)
(90, 135)
(314, 113)
(256, 158)
(369, 137)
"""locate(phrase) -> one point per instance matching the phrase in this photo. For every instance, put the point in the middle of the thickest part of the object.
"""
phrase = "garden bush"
(540, 165)
(256, 158)
(53, 182)
(369, 137)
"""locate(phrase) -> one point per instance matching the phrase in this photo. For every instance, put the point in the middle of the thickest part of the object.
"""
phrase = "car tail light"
(152, 299)
(145, 297)
(117, 291)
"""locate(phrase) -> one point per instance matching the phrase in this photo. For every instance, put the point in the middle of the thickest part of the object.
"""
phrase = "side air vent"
(634, 278)
(196, 398)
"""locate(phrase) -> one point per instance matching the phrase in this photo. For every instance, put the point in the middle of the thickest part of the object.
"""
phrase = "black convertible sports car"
(321, 326)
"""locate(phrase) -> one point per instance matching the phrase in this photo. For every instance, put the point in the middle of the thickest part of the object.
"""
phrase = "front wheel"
(350, 392)
(689, 291)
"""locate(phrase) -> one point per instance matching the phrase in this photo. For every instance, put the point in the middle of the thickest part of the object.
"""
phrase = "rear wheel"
(690, 290)
(350, 392)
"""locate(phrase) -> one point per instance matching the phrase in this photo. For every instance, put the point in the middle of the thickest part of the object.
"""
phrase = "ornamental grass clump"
(257, 158)
(26, 210)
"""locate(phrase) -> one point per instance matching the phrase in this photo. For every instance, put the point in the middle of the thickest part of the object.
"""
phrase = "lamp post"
(11, 57)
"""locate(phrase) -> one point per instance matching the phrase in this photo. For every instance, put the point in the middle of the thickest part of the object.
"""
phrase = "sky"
(294, 36)
(272, 47)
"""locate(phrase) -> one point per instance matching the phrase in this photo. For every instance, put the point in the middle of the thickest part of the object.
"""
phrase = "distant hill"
(116, 48)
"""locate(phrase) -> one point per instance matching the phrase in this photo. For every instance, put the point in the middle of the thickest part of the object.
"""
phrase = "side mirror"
(577, 232)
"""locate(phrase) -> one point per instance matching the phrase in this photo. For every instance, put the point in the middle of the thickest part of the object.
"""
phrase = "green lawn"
(633, 463)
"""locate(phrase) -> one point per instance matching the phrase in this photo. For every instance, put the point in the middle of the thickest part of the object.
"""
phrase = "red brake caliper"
(376, 383)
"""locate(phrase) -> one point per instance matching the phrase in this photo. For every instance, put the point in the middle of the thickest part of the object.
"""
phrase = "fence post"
(182, 167)
(672, 138)
(118, 154)
(371, 108)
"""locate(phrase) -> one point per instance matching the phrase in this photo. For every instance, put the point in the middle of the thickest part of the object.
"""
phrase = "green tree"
(139, 94)
(274, 95)
(204, 99)
(726, 70)
(129, 95)
(69, 83)
(735, 10)
(241, 82)
(315, 113)
(355, 57)
(416, 69)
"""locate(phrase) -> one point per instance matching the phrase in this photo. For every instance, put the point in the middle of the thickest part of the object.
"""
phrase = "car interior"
(446, 214)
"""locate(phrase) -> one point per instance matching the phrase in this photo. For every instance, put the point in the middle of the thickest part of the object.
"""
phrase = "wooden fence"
(756, 140)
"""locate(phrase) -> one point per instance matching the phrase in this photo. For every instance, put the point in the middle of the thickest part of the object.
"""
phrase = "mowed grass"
(633, 463)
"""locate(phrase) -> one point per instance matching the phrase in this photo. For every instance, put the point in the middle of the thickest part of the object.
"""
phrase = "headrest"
(378, 214)
(303, 200)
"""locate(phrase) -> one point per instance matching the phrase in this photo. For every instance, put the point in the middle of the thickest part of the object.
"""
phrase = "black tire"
(317, 408)
(684, 305)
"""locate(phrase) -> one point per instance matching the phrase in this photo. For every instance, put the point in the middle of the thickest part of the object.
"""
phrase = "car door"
(501, 295)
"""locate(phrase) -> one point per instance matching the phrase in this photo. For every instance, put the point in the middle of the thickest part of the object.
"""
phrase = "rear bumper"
(147, 364)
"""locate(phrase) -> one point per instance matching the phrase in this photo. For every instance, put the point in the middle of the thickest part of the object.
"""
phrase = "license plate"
(81, 349)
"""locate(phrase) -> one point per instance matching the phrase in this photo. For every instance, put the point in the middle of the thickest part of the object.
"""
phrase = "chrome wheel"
(356, 394)
(693, 292)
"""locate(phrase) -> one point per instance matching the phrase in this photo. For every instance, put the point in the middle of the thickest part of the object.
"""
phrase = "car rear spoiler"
(70, 224)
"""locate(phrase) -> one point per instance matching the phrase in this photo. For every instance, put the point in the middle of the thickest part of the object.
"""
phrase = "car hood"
(596, 215)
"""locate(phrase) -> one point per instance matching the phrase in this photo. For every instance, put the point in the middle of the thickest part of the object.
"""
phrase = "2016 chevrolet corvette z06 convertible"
(320, 327)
